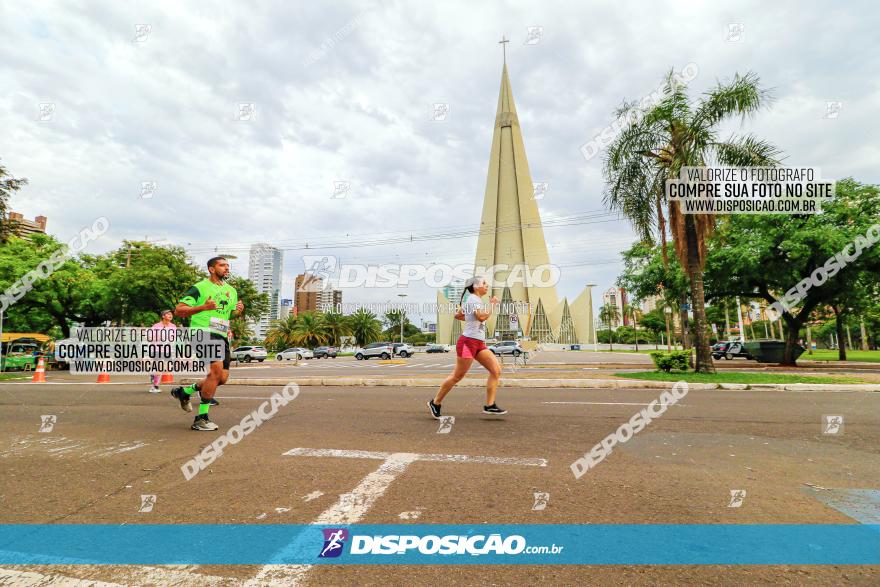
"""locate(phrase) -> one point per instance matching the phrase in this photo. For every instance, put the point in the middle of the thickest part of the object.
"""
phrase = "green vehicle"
(20, 352)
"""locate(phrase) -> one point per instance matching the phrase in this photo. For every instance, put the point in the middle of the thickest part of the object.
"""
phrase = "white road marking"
(352, 507)
(313, 495)
(607, 403)
(128, 574)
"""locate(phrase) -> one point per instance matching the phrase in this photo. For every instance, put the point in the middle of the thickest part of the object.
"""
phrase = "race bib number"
(219, 324)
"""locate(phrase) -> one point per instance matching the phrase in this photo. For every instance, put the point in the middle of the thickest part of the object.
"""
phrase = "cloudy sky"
(100, 97)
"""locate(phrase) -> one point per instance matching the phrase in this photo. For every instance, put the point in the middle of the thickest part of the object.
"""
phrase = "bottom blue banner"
(531, 544)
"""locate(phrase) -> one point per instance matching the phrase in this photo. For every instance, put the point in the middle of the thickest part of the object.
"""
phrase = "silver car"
(507, 347)
(296, 353)
(383, 350)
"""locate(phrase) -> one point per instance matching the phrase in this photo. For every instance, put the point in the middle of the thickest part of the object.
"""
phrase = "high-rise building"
(511, 233)
(311, 294)
(453, 291)
(616, 296)
(264, 270)
(25, 228)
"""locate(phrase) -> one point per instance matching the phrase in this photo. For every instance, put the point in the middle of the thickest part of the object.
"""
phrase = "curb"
(557, 383)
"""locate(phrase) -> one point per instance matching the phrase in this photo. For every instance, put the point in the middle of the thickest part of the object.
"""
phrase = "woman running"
(472, 345)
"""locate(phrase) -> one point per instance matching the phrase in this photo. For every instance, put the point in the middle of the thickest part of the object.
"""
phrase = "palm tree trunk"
(695, 274)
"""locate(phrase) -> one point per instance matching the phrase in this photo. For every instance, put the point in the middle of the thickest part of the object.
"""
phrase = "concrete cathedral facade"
(511, 235)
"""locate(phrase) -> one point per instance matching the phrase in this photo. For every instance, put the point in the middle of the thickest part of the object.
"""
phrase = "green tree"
(72, 292)
(655, 322)
(609, 315)
(256, 305)
(282, 334)
(8, 185)
(365, 327)
(337, 326)
(765, 256)
(655, 145)
(310, 330)
(144, 279)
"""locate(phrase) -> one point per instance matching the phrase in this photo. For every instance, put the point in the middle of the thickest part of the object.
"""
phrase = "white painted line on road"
(352, 507)
(606, 403)
(129, 575)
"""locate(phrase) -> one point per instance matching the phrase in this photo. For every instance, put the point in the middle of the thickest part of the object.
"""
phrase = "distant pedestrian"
(163, 324)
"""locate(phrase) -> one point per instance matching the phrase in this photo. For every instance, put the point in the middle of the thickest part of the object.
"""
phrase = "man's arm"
(188, 304)
(184, 311)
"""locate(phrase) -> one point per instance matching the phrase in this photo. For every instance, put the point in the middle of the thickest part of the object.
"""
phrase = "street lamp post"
(595, 335)
(401, 296)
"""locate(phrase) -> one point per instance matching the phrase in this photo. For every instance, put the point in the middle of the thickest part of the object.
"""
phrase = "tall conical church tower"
(511, 234)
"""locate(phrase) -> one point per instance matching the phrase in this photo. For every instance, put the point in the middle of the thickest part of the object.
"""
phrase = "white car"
(296, 353)
(383, 350)
(247, 354)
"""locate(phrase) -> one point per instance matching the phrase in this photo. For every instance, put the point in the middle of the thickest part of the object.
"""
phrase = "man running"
(209, 304)
(163, 324)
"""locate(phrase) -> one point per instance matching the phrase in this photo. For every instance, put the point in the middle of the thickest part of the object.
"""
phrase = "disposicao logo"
(334, 542)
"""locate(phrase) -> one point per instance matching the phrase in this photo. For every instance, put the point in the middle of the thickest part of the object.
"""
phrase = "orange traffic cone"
(103, 378)
(166, 378)
(40, 373)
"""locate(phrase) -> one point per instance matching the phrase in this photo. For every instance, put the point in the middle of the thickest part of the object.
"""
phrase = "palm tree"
(609, 314)
(364, 326)
(282, 333)
(632, 312)
(337, 326)
(653, 147)
(310, 330)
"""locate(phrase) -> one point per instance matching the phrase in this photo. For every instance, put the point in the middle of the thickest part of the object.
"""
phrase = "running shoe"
(214, 402)
(178, 394)
(155, 389)
(494, 409)
(435, 409)
(204, 424)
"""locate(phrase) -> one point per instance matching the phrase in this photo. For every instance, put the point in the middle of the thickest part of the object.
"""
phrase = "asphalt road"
(111, 444)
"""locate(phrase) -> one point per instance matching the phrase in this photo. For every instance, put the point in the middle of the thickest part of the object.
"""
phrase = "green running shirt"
(217, 320)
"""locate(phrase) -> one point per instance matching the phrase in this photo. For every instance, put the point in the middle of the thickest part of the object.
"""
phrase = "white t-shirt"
(473, 328)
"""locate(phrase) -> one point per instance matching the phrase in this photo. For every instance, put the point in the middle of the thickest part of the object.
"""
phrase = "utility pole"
(402, 315)
(739, 316)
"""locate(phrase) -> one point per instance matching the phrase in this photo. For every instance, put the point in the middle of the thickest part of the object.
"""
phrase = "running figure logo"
(47, 422)
(541, 501)
(446, 423)
(334, 542)
(736, 498)
(833, 424)
(147, 503)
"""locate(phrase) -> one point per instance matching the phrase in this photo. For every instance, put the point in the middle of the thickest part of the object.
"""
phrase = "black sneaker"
(178, 394)
(204, 424)
(435, 409)
(494, 410)
(212, 401)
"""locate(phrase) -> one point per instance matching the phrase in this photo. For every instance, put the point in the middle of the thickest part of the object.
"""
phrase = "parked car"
(383, 350)
(507, 347)
(402, 349)
(729, 350)
(249, 353)
(436, 348)
(297, 353)
(325, 352)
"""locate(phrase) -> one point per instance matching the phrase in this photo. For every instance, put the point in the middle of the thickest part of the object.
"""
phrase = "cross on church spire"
(503, 42)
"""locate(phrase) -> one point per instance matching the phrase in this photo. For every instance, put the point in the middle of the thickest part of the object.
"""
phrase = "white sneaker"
(155, 389)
